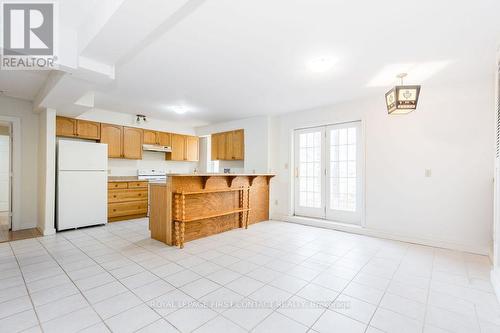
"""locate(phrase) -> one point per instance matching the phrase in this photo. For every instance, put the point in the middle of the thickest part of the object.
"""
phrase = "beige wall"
(28, 178)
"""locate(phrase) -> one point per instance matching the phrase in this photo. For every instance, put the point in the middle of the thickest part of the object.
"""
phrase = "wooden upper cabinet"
(164, 139)
(88, 129)
(214, 146)
(127, 142)
(238, 138)
(228, 145)
(112, 135)
(221, 146)
(65, 126)
(192, 148)
(178, 148)
(150, 137)
(132, 143)
(157, 138)
(78, 128)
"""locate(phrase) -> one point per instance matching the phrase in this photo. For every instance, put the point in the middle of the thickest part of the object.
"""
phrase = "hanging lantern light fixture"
(402, 99)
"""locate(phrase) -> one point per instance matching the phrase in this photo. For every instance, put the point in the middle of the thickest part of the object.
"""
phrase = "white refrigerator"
(82, 184)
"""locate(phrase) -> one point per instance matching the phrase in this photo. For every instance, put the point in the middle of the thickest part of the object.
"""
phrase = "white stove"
(152, 174)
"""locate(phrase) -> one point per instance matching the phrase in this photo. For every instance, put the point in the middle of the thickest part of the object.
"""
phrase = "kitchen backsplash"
(150, 160)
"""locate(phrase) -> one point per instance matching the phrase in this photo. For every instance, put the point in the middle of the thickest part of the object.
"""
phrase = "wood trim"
(212, 191)
(198, 218)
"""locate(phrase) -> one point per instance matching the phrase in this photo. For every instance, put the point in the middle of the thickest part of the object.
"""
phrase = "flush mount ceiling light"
(402, 99)
(179, 109)
(320, 65)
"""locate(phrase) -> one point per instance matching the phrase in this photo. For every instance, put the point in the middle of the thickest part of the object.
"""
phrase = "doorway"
(5, 176)
(329, 172)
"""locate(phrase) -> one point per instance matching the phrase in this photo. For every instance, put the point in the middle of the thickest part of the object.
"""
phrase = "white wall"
(150, 160)
(47, 172)
(450, 133)
(256, 143)
(28, 161)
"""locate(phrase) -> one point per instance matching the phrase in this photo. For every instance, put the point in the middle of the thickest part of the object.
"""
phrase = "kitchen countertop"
(116, 179)
(219, 174)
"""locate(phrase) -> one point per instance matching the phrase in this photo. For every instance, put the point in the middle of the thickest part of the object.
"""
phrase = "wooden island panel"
(206, 204)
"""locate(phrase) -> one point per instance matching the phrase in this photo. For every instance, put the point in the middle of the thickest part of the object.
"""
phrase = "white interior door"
(344, 173)
(309, 172)
(5, 174)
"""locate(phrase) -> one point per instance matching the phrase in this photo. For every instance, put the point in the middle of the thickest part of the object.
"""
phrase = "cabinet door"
(150, 137)
(221, 147)
(192, 148)
(132, 143)
(178, 147)
(238, 145)
(214, 147)
(164, 139)
(229, 145)
(65, 126)
(88, 129)
(112, 135)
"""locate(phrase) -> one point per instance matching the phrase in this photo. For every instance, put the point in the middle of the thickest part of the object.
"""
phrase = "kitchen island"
(192, 206)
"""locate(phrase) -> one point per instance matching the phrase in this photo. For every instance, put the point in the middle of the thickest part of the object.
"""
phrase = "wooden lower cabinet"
(127, 200)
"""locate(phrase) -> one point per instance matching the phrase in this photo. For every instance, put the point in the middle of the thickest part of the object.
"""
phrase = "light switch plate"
(428, 172)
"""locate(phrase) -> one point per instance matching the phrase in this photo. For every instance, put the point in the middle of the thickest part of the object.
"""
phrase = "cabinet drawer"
(137, 184)
(117, 185)
(127, 208)
(128, 195)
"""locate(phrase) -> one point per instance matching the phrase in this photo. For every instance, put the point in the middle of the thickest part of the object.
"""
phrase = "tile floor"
(273, 277)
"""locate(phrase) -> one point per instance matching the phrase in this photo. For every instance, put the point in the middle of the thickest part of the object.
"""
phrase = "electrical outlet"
(276, 202)
(286, 166)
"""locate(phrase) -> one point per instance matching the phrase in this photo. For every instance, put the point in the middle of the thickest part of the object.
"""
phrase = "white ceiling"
(229, 59)
(22, 84)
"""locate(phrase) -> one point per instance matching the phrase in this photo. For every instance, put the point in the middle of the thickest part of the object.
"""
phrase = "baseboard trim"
(380, 234)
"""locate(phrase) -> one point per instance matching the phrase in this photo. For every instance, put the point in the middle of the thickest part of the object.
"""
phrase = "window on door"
(328, 180)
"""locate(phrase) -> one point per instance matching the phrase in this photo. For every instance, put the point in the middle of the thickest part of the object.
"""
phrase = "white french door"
(309, 172)
(328, 172)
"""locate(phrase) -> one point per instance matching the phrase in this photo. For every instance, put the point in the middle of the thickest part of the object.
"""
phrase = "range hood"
(163, 149)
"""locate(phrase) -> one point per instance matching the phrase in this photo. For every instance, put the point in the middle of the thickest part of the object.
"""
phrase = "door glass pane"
(310, 170)
(343, 165)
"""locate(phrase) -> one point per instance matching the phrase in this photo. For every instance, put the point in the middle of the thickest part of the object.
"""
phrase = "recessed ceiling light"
(321, 64)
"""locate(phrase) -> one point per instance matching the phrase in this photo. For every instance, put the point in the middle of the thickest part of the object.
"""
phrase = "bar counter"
(192, 206)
